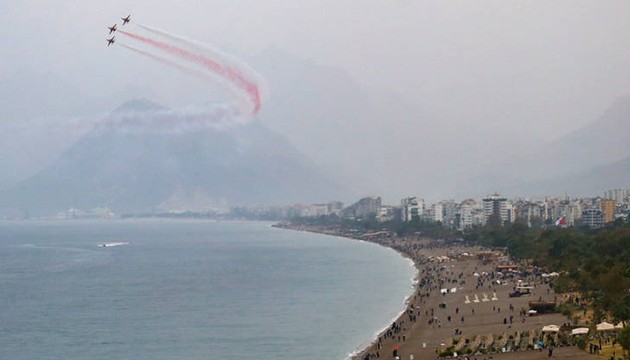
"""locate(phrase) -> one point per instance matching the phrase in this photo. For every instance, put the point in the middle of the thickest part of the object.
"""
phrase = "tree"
(621, 309)
(624, 340)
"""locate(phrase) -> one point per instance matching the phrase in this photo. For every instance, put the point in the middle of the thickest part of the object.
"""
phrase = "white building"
(498, 206)
(470, 214)
(412, 208)
(385, 213)
(438, 212)
(621, 196)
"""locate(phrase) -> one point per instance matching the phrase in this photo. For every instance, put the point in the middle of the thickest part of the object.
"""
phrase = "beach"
(460, 302)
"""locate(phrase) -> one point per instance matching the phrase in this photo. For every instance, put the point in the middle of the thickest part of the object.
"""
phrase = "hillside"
(144, 157)
(572, 164)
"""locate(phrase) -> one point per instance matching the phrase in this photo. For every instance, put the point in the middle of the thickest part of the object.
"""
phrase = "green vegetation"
(596, 263)
(624, 340)
(423, 227)
(593, 263)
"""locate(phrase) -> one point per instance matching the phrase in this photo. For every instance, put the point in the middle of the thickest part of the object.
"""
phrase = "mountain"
(144, 157)
(589, 182)
(379, 140)
(573, 164)
(367, 137)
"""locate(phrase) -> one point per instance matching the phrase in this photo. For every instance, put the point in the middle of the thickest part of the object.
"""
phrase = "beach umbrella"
(619, 326)
(579, 331)
(551, 328)
(604, 326)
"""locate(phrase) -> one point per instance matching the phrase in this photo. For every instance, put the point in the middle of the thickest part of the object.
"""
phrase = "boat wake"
(113, 244)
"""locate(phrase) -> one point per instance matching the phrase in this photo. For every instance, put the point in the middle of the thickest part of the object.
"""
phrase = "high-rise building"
(468, 215)
(621, 196)
(608, 210)
(438, 212)
(412, 208)
(592, 217)
(385, 213)
(495, 206)
(449, 209)
(368, 206)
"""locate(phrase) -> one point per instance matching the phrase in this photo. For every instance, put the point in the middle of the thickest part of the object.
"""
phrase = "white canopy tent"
(604, 326)
(551, 328)
(579, 331)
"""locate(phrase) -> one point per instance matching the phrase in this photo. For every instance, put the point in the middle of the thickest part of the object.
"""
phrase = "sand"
(485, 310)
(479, 306)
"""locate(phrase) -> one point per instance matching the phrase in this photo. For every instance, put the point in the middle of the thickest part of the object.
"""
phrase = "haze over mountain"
(393, 98)
(373, 139)
(586, 161)
(144, 157)
(370, 140)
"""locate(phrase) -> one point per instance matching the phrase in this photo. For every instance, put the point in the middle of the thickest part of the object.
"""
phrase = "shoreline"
(405, 308)
(449, 279)
(407, 301)
(360, 350)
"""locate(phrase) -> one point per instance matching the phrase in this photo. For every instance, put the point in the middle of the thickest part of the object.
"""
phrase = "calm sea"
(191, 290)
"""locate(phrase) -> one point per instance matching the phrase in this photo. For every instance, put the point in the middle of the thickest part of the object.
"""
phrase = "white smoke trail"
(241, 99)
(216, 117)
(221, 57)
(207, 63)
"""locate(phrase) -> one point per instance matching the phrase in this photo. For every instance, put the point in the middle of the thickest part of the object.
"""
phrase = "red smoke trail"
(187, 70)
(209, 51)
(210, 64)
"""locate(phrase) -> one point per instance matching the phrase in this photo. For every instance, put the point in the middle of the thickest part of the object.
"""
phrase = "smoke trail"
(198, 74)
(226, 60)
(209, 64)
(165, 61)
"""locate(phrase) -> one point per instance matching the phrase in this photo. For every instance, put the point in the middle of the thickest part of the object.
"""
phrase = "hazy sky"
(522, 69)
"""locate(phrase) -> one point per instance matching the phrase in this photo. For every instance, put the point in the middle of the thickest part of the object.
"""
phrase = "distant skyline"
(463, 73)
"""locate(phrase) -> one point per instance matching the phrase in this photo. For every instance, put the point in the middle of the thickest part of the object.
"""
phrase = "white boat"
(113, 244)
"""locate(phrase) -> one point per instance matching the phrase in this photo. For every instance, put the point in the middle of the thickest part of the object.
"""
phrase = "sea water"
(191, 290)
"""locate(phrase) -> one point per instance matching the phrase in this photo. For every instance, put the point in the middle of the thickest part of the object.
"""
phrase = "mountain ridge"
(144, 157)
(563, 165)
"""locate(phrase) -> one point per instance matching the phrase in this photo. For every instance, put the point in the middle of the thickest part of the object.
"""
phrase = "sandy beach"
(462, 298)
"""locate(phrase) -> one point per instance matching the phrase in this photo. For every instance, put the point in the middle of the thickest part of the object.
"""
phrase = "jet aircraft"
(110, 41)
(126, 19)
(112, 29)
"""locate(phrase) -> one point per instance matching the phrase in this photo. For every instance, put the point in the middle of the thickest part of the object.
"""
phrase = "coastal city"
(592, 212)
(315, 180)
(498, 278)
